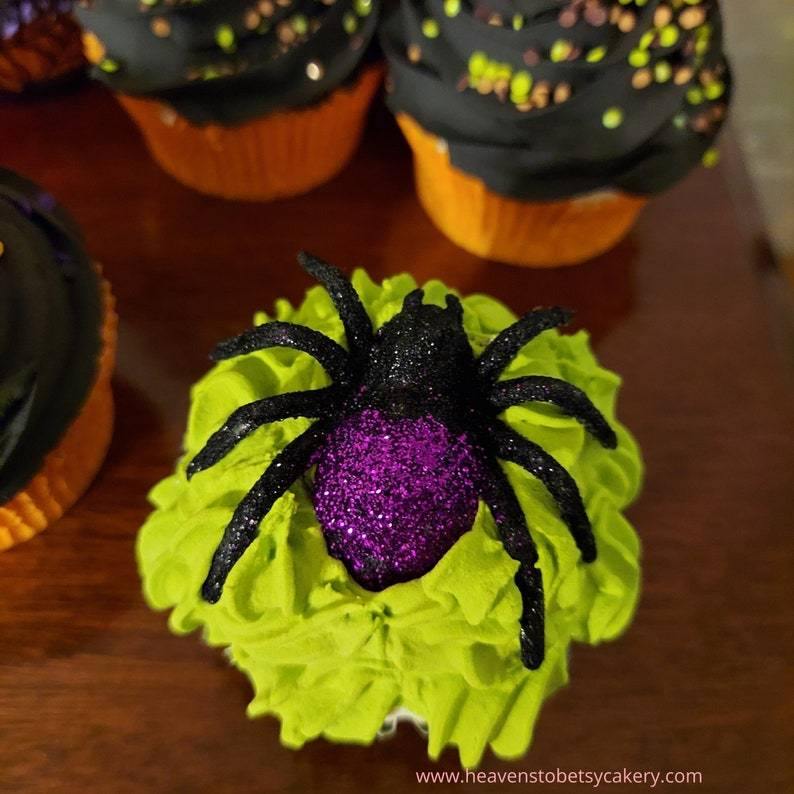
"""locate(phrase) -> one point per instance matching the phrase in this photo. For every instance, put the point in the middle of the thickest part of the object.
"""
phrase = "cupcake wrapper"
(282, 154)
(534, 234)
(46, 49)
(69, 468)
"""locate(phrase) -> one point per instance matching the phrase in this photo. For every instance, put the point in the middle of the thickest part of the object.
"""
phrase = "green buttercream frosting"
(331, 659)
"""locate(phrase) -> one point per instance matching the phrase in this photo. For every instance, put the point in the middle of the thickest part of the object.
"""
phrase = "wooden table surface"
(97, 696)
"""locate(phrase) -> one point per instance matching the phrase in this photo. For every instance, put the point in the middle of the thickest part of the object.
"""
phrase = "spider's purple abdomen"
(393, 494)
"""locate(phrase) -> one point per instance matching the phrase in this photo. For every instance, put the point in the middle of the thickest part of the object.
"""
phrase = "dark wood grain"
(96, 695)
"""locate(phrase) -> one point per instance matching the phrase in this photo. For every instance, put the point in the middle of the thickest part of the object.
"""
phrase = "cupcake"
(245, 100)
(57, 343)
(39, 44)
(540, 129)
(394, 502)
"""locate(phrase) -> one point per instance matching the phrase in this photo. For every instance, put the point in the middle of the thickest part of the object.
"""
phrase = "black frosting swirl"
(50, 328)
(548, 99)
(228, 61)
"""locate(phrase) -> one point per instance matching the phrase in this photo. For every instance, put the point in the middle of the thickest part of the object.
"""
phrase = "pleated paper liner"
(282, 154)
(533, 234)
(69, 468)
(45, 50)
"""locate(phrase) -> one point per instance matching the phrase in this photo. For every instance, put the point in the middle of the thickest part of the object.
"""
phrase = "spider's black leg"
(501, 350)
(513, 447)
(567, 397)
(414, 298)
(455, 307)
(354, 317)
(333, 357)
(509, 517)
(310, 404)
(285, 468)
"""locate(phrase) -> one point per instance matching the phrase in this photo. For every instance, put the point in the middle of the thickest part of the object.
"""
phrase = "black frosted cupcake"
(235, 98)
(57, 348)
(541, 127)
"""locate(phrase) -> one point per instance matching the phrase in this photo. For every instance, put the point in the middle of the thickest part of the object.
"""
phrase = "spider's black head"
(421, 357)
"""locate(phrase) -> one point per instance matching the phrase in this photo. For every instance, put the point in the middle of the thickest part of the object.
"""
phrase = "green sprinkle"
(668, 36)
(430, 28)
(299, 24)
(662, 72)
(224, 36)
(363, 7)
(694, 96)
(710, 158)
(647, 39)
(478, 63)
(679, 121)
(596, 54)
(612, 118)
(350, 23)
(518, 22)
(639, 58)
(451, 7)
(520, 86)
(560, 50)
(491, 71)
(715, 90)
(109, 66)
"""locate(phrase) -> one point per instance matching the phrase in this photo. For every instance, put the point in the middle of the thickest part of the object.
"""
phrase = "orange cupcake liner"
(45, 49)
(69, 468)
(282, 154)
(528, 233)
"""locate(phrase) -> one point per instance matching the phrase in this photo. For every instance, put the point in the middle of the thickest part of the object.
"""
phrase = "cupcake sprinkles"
(263, 55)
(596, 93)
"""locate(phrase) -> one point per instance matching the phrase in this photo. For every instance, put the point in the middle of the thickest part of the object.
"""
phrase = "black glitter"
(311, 404)
(418, 366)
(510, 446)
(358, 327)
(332, 356)
(567, 397)
(518, 543)
(504, 348)
(287, 467)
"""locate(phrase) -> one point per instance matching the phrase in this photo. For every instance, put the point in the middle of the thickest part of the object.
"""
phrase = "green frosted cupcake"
(336, 628)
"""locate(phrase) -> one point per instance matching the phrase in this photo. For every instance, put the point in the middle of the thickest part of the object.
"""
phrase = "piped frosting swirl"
(547, 99)
(227, 61)
(50, 328)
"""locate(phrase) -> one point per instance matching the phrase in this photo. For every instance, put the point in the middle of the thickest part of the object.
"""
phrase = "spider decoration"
(407, 440)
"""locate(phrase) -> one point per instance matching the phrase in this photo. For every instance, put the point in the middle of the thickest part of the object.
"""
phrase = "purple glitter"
(16, 13)
(392, 495)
